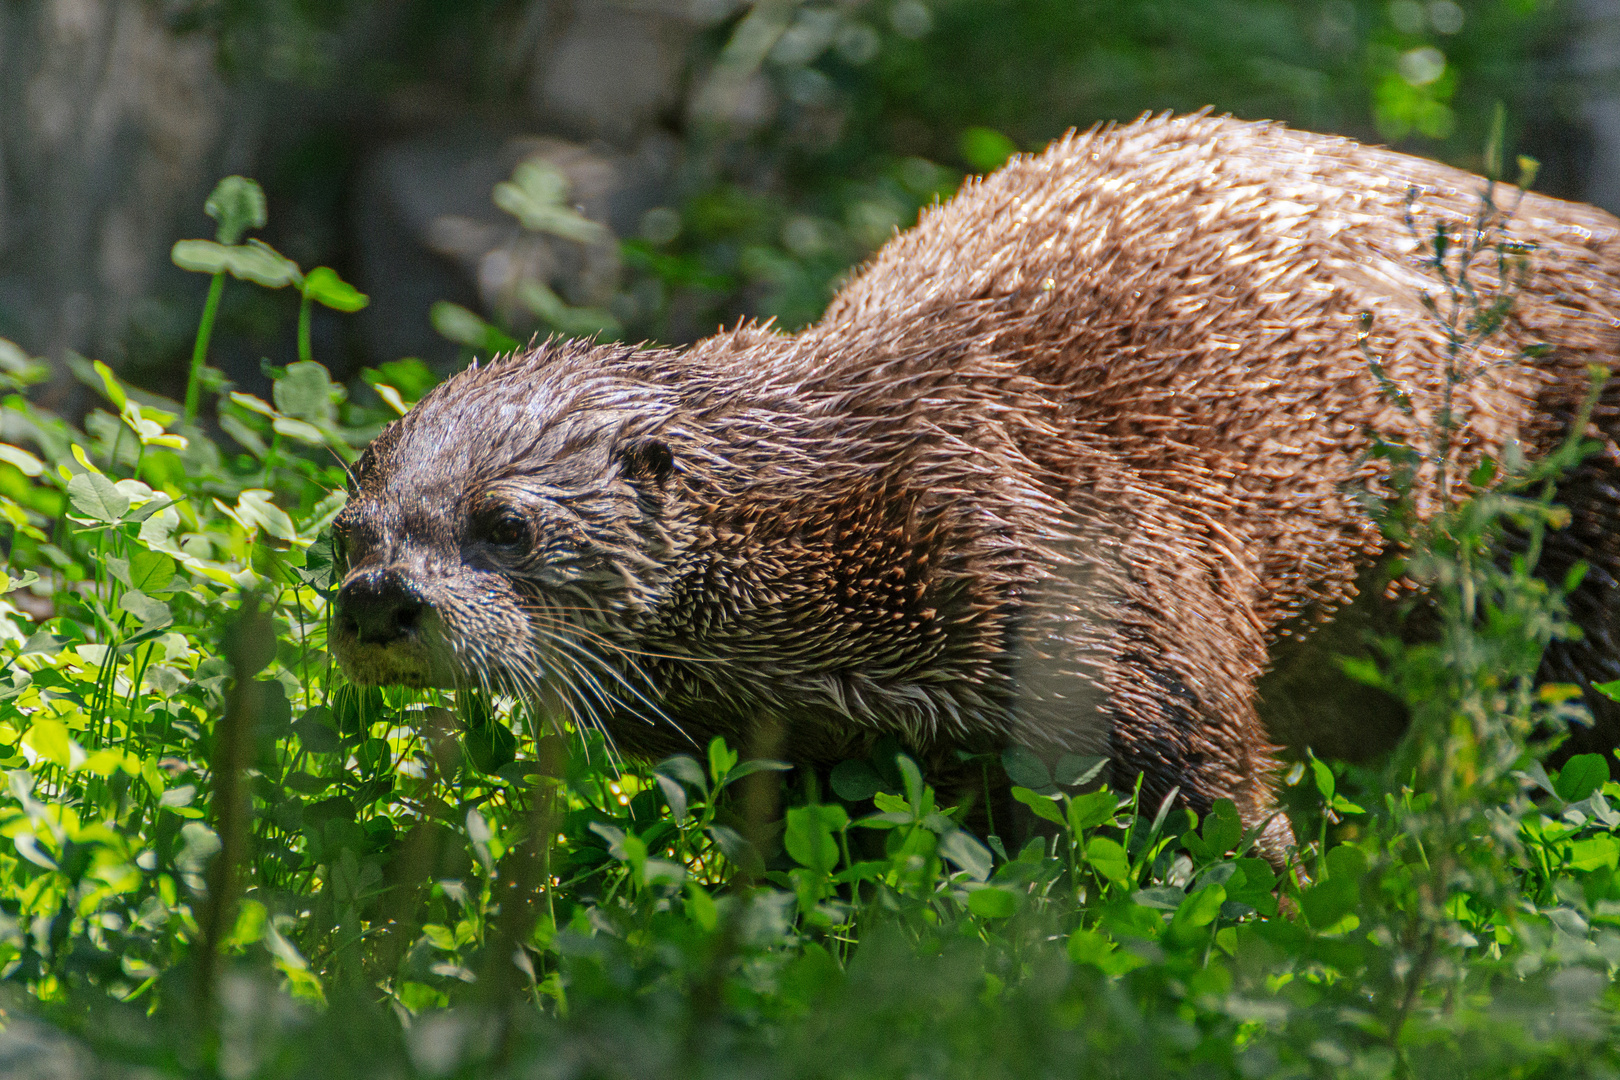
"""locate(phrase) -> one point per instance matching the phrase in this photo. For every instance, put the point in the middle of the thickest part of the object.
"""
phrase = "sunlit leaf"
(1580, 776)
(1108, 858)
(993, 902)
(323, 285)
(97, 498)
(1043, 806)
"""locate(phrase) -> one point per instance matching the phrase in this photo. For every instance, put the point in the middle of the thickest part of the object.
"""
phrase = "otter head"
(515, 512)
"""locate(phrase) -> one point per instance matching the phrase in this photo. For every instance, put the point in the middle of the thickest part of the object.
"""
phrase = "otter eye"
(504, 529)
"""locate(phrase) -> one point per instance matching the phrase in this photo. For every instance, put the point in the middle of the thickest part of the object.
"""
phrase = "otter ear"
(647, 459)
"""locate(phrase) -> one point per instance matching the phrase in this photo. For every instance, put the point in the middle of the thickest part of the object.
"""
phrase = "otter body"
(1053, 470)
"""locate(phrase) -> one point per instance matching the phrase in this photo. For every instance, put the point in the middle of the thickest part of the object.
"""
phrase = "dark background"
(743, 156)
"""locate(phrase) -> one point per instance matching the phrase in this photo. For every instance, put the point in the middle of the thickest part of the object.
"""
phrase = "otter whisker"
(659, 714)
(618, 647)
(560, 632)
(574, 698)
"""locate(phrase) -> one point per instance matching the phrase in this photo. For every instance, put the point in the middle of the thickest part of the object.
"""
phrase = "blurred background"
(649, 169)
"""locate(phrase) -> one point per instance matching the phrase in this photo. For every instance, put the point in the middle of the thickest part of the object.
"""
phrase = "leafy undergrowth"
(220, 860)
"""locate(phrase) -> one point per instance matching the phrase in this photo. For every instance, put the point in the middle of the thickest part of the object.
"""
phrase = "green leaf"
(1222, 831)
(1025, 769)
(1201, 908)
(491, 746)
(701, 907)
(1089, 947)
(754, 765)
(722, 759)
(993, 902)
(251, 920)
(1329, 901)
(1347, 861)
(1362, 670)
(465, 328)
(1593, 853)
(1108, 859)
(1073, 770)
(109, 382)
(1092, 809)
(28, 847)
(15, 362)
(21, 460)
(238, 204)
(1324, 777)
(809, 838)
(1255, 884)
(117, 568)
(315, 731)
(1580, 776)
(1610, 690)
(308, 434)
(253, 404)
(255, 262)
(662, 872)
(97, 498)
(409, 375)
(49, 739)
(147, 611)
(854, 781)
(734, 847)
(104, 763)
(889, 820)
(323, 285)
(151, 571)
(1043, 806)
(965, 851)
(1160, 897)
(375, 755)
(674, 794)
(536, 195)
(986, 150)
(255, 510)
(911, 776)
(684, 768)
(305, 392)
(892, 804)
(246, 436)
(573, 321)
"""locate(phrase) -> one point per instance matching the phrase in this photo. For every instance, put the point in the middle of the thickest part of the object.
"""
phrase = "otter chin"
(1054, 470)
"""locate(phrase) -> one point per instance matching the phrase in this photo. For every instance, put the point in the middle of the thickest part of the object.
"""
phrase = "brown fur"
(1054, 469)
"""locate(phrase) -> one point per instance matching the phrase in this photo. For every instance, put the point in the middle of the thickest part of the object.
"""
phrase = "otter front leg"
(1175, 742)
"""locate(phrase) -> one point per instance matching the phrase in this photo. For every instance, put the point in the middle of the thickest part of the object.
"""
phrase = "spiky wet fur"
(1053, 469)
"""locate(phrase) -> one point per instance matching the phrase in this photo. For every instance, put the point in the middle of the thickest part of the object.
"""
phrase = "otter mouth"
(391, 665)
(405, 661)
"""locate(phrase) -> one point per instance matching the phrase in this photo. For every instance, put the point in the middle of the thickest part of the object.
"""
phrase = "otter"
(1054, 469)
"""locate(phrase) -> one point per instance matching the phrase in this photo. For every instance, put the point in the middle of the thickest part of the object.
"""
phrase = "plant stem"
(199, 351)
(305, 353)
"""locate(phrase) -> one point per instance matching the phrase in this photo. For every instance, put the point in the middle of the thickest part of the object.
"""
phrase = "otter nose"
(379, 606)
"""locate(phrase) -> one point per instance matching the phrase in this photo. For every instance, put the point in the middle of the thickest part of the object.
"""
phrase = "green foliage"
(217, 845)
(879, 108)
(221, 860)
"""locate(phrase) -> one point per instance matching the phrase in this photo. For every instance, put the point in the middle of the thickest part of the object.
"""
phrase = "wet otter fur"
(1054, 469)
